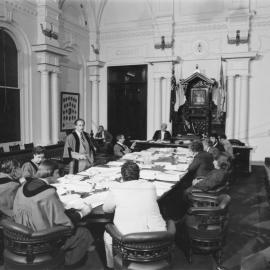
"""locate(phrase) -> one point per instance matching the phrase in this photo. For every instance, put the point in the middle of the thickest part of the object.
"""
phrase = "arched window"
(9, 91)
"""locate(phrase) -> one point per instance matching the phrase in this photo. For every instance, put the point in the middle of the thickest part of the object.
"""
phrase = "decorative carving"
(163, 45)
(49, 32)
(237, 40)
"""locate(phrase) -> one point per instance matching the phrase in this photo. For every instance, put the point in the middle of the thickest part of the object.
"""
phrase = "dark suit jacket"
(213, 180)
(201, 165)
(107, 136)
(157, 135)
(219, 146)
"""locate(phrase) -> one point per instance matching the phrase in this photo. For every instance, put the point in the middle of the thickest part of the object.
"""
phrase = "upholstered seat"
(25, 249)
(146, 250)
(204, 228)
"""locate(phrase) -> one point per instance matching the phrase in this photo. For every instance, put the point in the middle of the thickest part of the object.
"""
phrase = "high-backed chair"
(13, 148)
(2, 149)
(25, 249)
(28, 146)
(145, 250)
(205, 226)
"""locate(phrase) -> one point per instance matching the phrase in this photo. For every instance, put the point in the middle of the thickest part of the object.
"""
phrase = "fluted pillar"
(244, 107)
(158, 103)
(45, 108)
(230, 114)
(95, 103)
(55, 107)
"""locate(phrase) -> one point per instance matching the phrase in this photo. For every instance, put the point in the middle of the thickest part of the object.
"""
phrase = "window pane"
(9, 115)
(8, 61)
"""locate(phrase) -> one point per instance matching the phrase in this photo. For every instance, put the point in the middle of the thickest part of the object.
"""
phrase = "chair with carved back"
(25, 249)
(144, 250)
(29, 146)
(205, 226)
(13, 148)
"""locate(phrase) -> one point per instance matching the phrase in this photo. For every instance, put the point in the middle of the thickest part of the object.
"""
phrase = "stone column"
(164, 99)
(244, 105)
(95, 103)
(55, 107)
(45, 108)
(230, 114)
(157, 104)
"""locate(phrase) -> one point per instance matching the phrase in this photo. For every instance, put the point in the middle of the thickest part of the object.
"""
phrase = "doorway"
(127, 101)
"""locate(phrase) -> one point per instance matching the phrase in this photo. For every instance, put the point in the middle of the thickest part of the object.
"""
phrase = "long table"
(163, 166)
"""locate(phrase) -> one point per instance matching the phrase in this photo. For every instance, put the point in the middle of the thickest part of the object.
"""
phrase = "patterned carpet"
(249, 229)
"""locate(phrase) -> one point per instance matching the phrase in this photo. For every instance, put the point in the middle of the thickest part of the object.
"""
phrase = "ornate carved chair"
(25, 249)
(13, 148)
(205, 226)
(146, 250)
(28, 146)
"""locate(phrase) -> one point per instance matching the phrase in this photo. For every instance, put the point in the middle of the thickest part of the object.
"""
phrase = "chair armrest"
(203, 211)
(113, 231)
(204, 196)
(57, 231)
(158, 236)
(10, 225)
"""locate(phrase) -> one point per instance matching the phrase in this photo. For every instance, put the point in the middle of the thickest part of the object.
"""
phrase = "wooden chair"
(2, 149)
(13, 148)
(28, 146)
(204, 227)
(25, 249)
(145, 250)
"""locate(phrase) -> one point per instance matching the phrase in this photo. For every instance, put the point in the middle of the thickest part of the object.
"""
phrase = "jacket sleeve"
(117, 151)
(211, 181)
(195, 164)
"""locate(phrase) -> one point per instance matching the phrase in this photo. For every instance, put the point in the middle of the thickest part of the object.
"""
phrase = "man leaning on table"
(162, 134)
(79, 149)
(37, 206)
(120, 149)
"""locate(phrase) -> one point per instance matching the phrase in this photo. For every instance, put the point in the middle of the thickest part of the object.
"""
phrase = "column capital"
(48, 68)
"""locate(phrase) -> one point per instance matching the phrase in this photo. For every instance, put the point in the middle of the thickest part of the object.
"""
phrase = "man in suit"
(215, 178)
(134, 203)
(216, 143)
(103, 135)
(202, 162)
(162, 134)
(37, 206)
(120, 149)
(79, 149)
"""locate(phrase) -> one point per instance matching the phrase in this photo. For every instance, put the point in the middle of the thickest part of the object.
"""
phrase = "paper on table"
(178, 167)
(96, 199)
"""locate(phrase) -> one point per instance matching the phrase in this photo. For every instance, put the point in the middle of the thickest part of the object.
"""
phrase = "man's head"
(11, 168)
(38, 154)
(196, 146)
(48, 168)
(213, 137)
(130, 171)
(163, 126)
(100, 129)
(222, 137)
(120, 138)
(79, 125)
(222, 162)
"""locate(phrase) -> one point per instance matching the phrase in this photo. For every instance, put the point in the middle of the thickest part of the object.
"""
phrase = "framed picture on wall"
(69, 110)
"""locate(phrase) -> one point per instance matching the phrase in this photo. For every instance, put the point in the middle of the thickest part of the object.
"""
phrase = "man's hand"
(133, 145)
(85, 210)
(82, 157)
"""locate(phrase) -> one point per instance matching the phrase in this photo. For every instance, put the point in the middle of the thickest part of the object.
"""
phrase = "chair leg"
(217, 257)
(190, 255)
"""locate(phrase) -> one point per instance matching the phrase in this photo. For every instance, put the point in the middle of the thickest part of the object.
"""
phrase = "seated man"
(135, 205)
(202, 162)
(29, 169)
(103, 135)
(120, 149)
(9, 173)
(226, 144)
(38, 207)
(216, 143)
(79, 149)
(162, 134)
(215, 178)
(208, 147)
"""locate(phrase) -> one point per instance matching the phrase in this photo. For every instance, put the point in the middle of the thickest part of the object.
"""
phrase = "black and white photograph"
(134, 134)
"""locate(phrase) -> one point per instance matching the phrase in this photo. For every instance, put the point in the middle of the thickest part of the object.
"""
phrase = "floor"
(249, 229)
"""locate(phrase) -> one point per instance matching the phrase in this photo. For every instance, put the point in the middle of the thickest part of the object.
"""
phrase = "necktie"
(82, 137)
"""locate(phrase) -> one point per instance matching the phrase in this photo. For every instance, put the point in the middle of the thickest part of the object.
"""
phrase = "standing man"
(162, 134)
(79, 149)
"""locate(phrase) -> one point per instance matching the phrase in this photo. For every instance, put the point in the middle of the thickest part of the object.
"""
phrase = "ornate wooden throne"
(199, 110)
